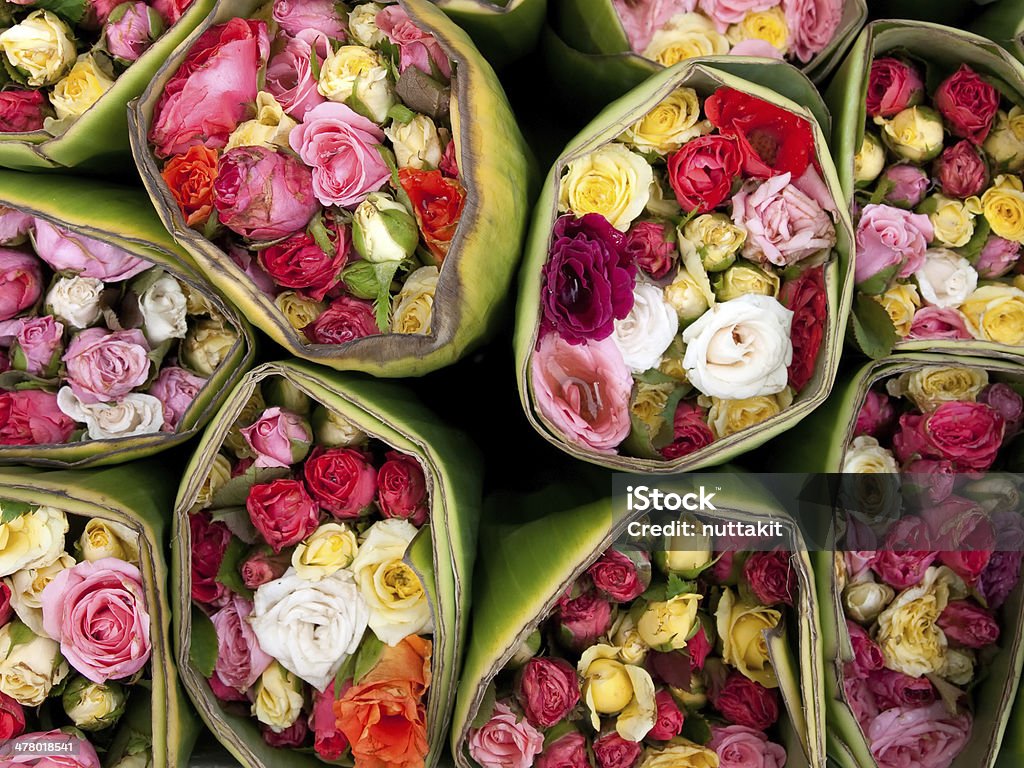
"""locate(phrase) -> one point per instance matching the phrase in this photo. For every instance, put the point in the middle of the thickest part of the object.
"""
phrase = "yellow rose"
(648, 406)
(1005, 142)
(328, 549)
(206, 345)
(686, 555)
(197, 302)
(866, 456)
(953, 220)
(686, 297)
(679, 753)
(869, 161)
(26, 587)
(742, 628)
(716, 240)
(915, 134)
(726, 417)
(80, 88)
(298, 310)
(666, 625)
(32, 540)
(613, 688)
(278, 701)
(30, 669)
(995, 313)
(414, 304)
(1003, 205)
(769, 25)
(416, 144)
(42, 46)
(908, 635)
(742, 278)
(333, 430)
(105, 538)
(269, 128)
(218, 475)
(900, 302)
(686, 36)
(358, 76)
(611, 181)
(931, 386)
(626, 639)
(672, 364)
(672, 123)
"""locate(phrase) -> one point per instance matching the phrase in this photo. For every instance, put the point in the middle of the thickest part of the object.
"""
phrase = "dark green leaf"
(873, 328)
(344, 673)
(12, 510)
(982, 229)
(146, 280)
(20, 634)
(678, 586)
(21, 380)
(696, 728)
(72, 10)
(238, 522)
(928, 206)
(367, 656)
(203, 650)
(656, 593)
(558, 731)
(236, 490)
(483, 714)
(230, 572)
(314, 64)
(878, 282)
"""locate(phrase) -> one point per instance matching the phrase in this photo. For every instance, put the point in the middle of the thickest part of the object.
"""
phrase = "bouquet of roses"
(683, 305)
(111, 347)
(621, 657)
(325, 550)
(504, 30)
(85, 663)
(333, 199)
(936, 189)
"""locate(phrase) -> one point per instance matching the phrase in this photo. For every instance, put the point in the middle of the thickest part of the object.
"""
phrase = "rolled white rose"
(362, 24)
(164, 306)
(106, 538)
(416, 143)
(946, 278)
(866, 599)
(383, 230)
(28, 670)
(75, 300)
(93, 706)
(645, 333)
(865, 455)
(310, 627)
(740, 348)
(32, 540)
(26, 587)
(134, 414)
(392, 590)
(686, 297)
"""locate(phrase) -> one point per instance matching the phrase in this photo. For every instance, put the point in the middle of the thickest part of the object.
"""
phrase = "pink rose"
(690, 431)
(547, 690)
(12, 718)
(68, 251)
(224, 692)
(859, 698)
(583, 390)
(968, 434)
(857, 561)
(14, 225)
(738, 746)
(66, 752)
(963, 533)
(96, 12)
(449, 164)
(938, 323)
(282, 512)
(328, 740)
(505, 741)
(20, 282)
(32, 417)
(918, 737)
(961, 170)
(895, 689)
(290, 75)
(935, 476)
(339, 146)
(38, 344)
(724, 570)
(907, 185)
(295, 16)
(1010, 405)
(22, 111)
(670, 718)
(813, 24)
(416, 48)
(176, 388)
(968, 624)
(97, 611)
(249, 264)
(131, 31)
(613, 751)
(402, 489)
(279, 438)
(171, 10)
(771, 577)
(997, 257)
(344, 320)
(617, 577)
(726, 12)
(756, 47)
(893, 85)
(867, 656)
(570, 751)
(744, 702)
(649, 249)
(641, 20)
(890, 240)
(263, 566)
(103, 366)
(968, 104)
(905, 555)
(583, 619)
(876, 414)
(240, 660)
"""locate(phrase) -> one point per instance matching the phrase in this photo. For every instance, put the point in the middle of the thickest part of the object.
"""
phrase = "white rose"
(93, 706)
(362, 24)
(135, 414)
(416, 143)
(383, 229)
(29, 670)
(392, 590)
(645, 333)
(866, 455)
(278, 698)
(359, 73)
(42, 45)
(957, 666)
(946, 278)
(864, 600)
(740, 348)
(163, 306)
(310, 627)
(32, 540)
(26, 587)
(75, 300)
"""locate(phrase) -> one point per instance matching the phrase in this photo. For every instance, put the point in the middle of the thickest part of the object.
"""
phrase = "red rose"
(12, 718)
(895, 689)
(968, 434)
(292, 736)
(31, 417)
(805, 297)
(963, 534)
(613, 751)
(402, 489)
(905, 554)
(190, 179)
(437, 202)
(670, 718)
(300, 263)
(648, 248)
(690, 432)
(702, 171)
(876, 415)
(342, 480)
(344, 320)
(893, 85)
(570, 751)
(771, 577)
(867, 656)
(617, 577)
(329, 742)
(223, 691)
(961, 170)
(771, 140)
(547, 690)
(968, 104)
(744, 702)
(968, 624)
(262, 566)
(282, 512)
(22, 111)
(584, 619)
(699, 646)
(209, 542)
(6, 611)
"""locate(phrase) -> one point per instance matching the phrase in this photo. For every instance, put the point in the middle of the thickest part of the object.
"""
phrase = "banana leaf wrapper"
(1002, 22)
(442, 554)
(117, 215)
(503, 30)
(530, 564)
(474, 284)
(97, 142)
(846, 96)
(137, 497)
(775, 82)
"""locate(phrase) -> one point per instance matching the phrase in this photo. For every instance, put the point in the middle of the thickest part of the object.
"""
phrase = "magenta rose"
(14, 226)
(890, 242)
(289, 76)
(935, 476)
(346, 319)
(341, 480)
(12, 718)
(968, 434)
(1010, 405)
(893, 85)
(299, 262)
(32, 417)
(699, 647)
(279, 438)
(292, 736)
(588, 278)
(20, 282)
(690, 431)
(997, 257)
(240, 660)
(171, 10)
(968, 624)
(262, 194)
(505, 741)
(294, 16)
(670, 718)
(68, 251)
(744, 702)
(547, 690)
(613, 751)
(918, 736)
(999, 577)
(328, 740)
(129, 32)
(340, 147)
(895, 689)
(282, 512)
(97, 611)
(938, 323)
(813, 24)
(176, 388)
(6, 611)
(583, 619)
(905, 555)
(449, 164)
(28, 751)
(738, 746)
(968, 104)
(402, 489)
(726, 12)
(964, 533)
(263, 566)
(771, 577)
(569, 751)
(104, 366)
(213, 89)
(617, 577)
(224, 692)
(416, 48)
(961, 170)
(876, 414)
(867, 656)
(37, 345)
(859, 698)
(22, 111)
(210, 541)
(648, 248)
(725, 569)
(907, 185)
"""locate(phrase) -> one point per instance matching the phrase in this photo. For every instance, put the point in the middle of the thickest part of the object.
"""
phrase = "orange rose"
(190, 178)
(384, 717)
(437, 202)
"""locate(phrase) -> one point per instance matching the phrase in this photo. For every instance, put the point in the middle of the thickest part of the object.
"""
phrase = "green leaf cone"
(503, 30)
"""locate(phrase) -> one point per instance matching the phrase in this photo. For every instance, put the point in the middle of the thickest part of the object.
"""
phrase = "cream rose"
(106, 538)
(30, 669)
(673, 122)
(75, 301)
(270, 127)
(218, 475)
(298, 310)
(1005, 142)
(716, 239)
(742, 627)
(686, 297)
(80, 88)
(945, 278)
(362, 24)
(908, 635)
(613, 688)
(383, 230)
(42, 46)
(685, 36)
(957, 666)
(866, 455)
(358, 76)
(666, 625)
(93, 706)
(163, 308)
(416, 143)
(206, 345)
(727, 417)
(931, 386)
(32, 540)
(864, 600)
(413, 306)
(26, 587)
(626, 639)
(611, 181)
(328, 549)
(335, 431)
(953, 220)
(645, 333)
(134, 414)
(278, 698)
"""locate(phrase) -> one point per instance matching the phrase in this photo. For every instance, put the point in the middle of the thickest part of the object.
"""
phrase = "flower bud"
(686, 297)
(915, 134)
(1005, 143)
(383, 230)
(526, 651)
(333, 430)
(262, 566)
(278, 698)
(869, 161)
(163, 307)
(743, 278)
(416, 143)
(864, 600)
(609, 686)
(105, 538)
(219, 474)
(686, 556)
(93, 706)
(362, 24)
(131, 28)
(206, 345)
(42, 46)
(29, 669)
(907, 185)
(278, 391)
(716, 239)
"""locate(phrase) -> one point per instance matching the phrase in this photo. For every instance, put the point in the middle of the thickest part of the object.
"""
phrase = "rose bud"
(914, 134)
(961, 170)
(685, 556)
(1005, 143)
(262, 566)
(670, 718)
(362, 24)
(41, 47)
(744, 278)
(23, 111)
(999, 577)
(666, 625)
(335, 431)
(1008, 403)
(867, 656)
(613, 751)
(12, 718)
(869, 161)
(105, 538)
(383, 230)
(38, 346)
(176, 389)
(997, 257)
(621, 577)
(609, 686)
(652, 247)
(93, 706)
(893, 85)
(210, 541)
(686, 298)
(328, 742)
(292, 736)
(771, 577)
(547, 690)
(968, 624)
(876, 415)
(908, 185)
(744, 702)
(20, 282)
(506, 740)
(282, 393)
(341, 480)
(968, 104)
(569, 751)
(224, 692)
(402, 489)
(206, 345)
(282, 512)
(297, 309)
(583, 619)
(279, 438)
(131, 28)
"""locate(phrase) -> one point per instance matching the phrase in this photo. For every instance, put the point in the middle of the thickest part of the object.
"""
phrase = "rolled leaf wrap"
(472, 234)
(326, 409)
(103, 278)
(719, 282)
(129, 507)
(504, 30)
